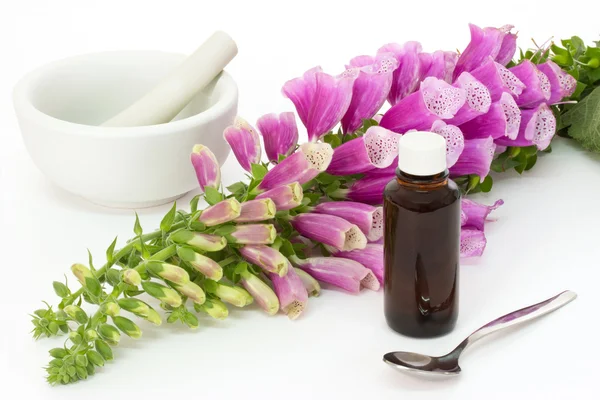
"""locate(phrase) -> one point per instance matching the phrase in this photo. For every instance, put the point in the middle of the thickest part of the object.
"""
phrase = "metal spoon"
(448, 364)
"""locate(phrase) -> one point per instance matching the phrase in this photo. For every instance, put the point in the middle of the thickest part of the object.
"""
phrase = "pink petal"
(369, 219)
(442, 65)
(484, 43)
(406, 76)
(538, 127)
(502, 119)
(508, 47)
(497, 79)
(244, 142)
(375, 149)
(476, 158)
(368, 190)
(280, 134)
(478, 99)
(301, 92)
(561, 83)
(537, 85)
(455, 141)
(291, 292)
(370, 90)
(330, 230)
(371, 257)
(472, 243)
(475, 213)
(206, 166)
(343, 273)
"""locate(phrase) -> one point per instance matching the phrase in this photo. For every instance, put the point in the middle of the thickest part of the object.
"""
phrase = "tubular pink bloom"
(562, 84)
(331, 230)
(291, 293)
(257, 210)
(307, 162)
(502, 120)
(478, 100)
(476, 158)
(375, 149)
(369, 219)
(321, 100)
(441, 65)
(476, 214)
(341, 272)
(367, 190)
(484, 43)
(285, 197)
(280, 134)
(455, 141)
(267, 258)
(244, 142)
(538, 127)
(389, 171)
(498, 79)
(472, 242)
(370, 89)
(508, 46)
(253, 234)
(406, 76)
(206, 166)
(224, 211)
(370, 257)
(435, 100)
(537, 85)
(261, 292)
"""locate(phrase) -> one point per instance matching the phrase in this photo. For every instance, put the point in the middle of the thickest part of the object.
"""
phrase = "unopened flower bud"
(169, 272)
(215, 308)
(162, 293)
(76, 313)
(132, 277)
(222, 212)
(87, 279)
(199, 241)
(110, 308)
(109, 333)
(128, 327)
(192, 291)
(233, 295)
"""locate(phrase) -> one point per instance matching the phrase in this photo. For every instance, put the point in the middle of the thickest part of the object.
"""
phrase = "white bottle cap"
(422, 153)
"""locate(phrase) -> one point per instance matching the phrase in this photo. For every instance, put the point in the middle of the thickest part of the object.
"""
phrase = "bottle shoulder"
(422, 199)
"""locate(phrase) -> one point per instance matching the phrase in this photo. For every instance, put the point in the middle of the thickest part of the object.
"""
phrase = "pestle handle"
(172, 94)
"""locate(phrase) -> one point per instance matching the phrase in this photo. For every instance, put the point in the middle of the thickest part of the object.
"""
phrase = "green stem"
(164, 254)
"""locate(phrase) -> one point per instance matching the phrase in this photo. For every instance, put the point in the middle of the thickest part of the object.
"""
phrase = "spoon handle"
(520, 316)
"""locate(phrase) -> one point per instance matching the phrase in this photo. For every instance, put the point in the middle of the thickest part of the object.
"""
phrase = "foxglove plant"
(312, 214)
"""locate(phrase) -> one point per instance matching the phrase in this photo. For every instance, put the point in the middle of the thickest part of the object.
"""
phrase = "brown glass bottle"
(422, 243)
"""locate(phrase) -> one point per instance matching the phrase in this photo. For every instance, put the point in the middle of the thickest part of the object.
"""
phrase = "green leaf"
(259, 171)
(237, 187)
(334, 140)
(473, 182)
(113, 276)
(144, 249)
(61, 289)
(110, 251)
(287, 249)
(210, 286)
(530, 162)
(194, 202)
(584, 121)
(91, 260)
(224, 230)
(212, 195)
(137, 228)
(486, 185)
(168, 219)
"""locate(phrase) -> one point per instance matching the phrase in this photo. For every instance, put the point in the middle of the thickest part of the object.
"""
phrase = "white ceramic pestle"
(173, 93)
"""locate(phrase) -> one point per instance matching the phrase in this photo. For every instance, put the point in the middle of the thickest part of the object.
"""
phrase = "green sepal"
(61, 289)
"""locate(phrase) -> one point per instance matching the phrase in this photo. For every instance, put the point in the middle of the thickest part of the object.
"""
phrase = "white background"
(545, 239)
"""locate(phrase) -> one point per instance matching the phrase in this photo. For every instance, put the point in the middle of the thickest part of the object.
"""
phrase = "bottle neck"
(422, 182)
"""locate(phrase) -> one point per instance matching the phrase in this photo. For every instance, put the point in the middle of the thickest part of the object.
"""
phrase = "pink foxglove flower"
(472, 242)
(502, 120)
(476, 158)
(321, 100)
(537, 85)
(538, 126)
(498, 79)
(291, 293)
(285, 197)
(331, 230)
(341, 272)
(207, 266)
(370, 89)
(310, 284)
(307, 162)
(280, 134)
(434, 100)
(224, 211)
(371, 257)
(365, 190)
(478, 99)
(266, 258)
(375, 149)
(257, 210)
(475, 214)
(455, 141)
(369, 219)
(561, 83)
(253, 234)
(206, 166)
(406, 76)
(508, 46)
(244, 142)
(261, 292)
(484, 43)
